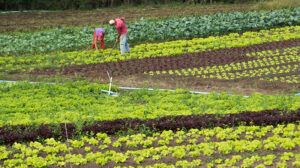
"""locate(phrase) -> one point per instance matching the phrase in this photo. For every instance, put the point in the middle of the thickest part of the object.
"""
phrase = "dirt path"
(244, 87)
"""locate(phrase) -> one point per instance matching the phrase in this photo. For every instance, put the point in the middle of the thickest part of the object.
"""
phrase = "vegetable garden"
(74, 123)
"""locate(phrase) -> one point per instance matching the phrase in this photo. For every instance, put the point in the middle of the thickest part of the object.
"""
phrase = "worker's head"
(111, 22)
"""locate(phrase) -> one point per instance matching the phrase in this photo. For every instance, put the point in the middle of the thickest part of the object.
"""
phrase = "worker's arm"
(97, 39)
(96, 45)
(100, 37)
(123, 19)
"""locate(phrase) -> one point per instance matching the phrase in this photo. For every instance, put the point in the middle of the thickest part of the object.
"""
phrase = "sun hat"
(111, 22)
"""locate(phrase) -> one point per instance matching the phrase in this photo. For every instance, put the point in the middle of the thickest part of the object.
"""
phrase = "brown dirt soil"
(37, 20)
(244, 87)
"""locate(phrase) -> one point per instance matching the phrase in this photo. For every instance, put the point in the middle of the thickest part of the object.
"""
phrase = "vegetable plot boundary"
(129, 88)
(24, 133)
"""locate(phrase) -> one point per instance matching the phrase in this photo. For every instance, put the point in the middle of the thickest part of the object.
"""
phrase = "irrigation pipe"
(129, 88)
(193, 92)
(18, 81)
(151, 89)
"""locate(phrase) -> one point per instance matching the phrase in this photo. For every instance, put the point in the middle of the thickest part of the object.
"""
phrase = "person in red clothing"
(98, 36)
(122, 33)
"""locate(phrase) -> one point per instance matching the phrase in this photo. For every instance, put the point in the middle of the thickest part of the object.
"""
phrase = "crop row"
(256, 161)
(30, 104)
(29, 62)
(25, 133)
(212, 58)
(280, 160)
(287, 79)
(261, 72)
(281, 141)
(73, 59)
(265, 65)
(188, 27)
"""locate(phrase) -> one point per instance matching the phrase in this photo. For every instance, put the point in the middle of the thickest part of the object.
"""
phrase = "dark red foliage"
(71, 130)
(45, 131)
(11, 134)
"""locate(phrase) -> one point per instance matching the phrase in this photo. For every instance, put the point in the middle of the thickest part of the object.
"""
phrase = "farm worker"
(122, 33)
(98, 36)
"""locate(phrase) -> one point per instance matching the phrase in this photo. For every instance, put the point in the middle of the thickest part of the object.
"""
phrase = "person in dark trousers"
(98, 36)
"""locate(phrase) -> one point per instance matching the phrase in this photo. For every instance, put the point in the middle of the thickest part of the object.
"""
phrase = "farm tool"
(112, 48)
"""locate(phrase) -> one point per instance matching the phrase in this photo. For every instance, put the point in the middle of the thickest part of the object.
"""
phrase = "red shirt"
(120, 25)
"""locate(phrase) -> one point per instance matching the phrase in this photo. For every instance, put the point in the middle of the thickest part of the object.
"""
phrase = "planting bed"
(178, 62)
(242, 146)
(276, 62)
(34, 104)
(156, 50)
(27, 133)
(37, 21)
(266, 66)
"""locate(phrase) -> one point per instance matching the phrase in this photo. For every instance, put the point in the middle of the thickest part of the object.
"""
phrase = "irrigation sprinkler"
(110, 81)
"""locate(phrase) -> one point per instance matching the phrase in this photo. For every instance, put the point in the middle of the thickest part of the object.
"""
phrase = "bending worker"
(98, 36)
(122, 33)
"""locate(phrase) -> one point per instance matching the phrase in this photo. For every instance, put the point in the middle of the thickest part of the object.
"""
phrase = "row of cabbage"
(243, 146)
(37, 103)
(67, 39)
(61, 59)
(284, 63)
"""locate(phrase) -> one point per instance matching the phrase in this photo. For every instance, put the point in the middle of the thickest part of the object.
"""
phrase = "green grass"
(277, 4)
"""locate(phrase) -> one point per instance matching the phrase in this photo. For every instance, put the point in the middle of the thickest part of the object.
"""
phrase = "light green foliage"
(19, 155)
(25, 103)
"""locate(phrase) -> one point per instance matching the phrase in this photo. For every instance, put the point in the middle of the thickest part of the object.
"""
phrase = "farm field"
(226, 91)
(31, 21)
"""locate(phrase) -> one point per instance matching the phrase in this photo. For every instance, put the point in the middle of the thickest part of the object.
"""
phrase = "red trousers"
(94, 43)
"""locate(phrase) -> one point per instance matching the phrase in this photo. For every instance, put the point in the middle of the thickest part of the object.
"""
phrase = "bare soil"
(244, 87)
